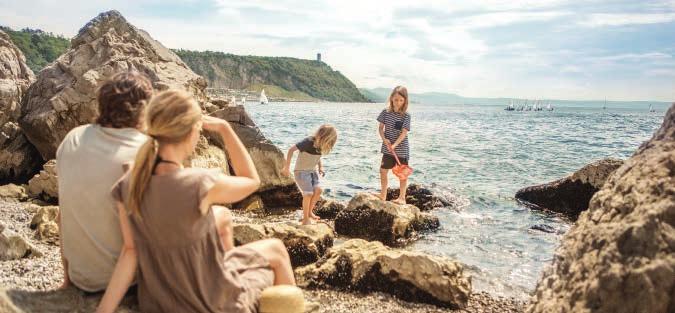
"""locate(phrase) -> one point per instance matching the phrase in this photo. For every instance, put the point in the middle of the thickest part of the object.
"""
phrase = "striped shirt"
(394, 123)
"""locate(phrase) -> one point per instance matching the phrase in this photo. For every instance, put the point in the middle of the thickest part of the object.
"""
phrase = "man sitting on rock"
(89, 161)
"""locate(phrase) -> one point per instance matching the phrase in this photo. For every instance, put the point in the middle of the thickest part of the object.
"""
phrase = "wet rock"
(276, 190)
(544, 228)
(421, 197)
(18, 158)
(329, 209)
(305, 243)
(13, 193)
(570, 195)
(45, 185)
(619, 256)
(13, 246)
(64, 94)
(426, 221)
(370, 266)
(251, 204)
(60, 300)
(370, 218)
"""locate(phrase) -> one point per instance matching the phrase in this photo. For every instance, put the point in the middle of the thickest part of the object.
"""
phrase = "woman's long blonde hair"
(169, 118)
(325, 138)
(401, 91)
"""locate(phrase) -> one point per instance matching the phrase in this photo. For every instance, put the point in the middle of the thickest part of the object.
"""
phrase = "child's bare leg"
(306, 209)
(224, 226)
(403, 189)
(315, 199)
(383, 183)
(275, 253)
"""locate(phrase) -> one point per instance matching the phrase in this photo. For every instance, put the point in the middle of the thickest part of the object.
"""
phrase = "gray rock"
(13, 246)
(423, 198)
(13, 193)
(305, 243)
(61, 300)
(329, 209)
(570, 195)
(370, 266)
(619, 257)
(45, 185)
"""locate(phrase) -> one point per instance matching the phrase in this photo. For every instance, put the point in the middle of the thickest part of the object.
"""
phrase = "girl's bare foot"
(308, 222)
(399, 201)
(315, 217)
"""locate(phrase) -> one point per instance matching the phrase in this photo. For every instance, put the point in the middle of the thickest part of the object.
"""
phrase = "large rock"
(422, 197)
(13, 193)
(60, 300)
(370, 266)
(209, 156)
(368, 217)
(45, 185)
(305, 243)
(64, 95)
(13, 246)
(329, 209)
(18, 158)
(570, 195)
(620, 255)
(276, 190)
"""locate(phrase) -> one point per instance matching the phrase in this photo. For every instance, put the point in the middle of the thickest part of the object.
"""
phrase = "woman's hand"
(211, 123)
(285, 171)
(387, 142)
(393, 146)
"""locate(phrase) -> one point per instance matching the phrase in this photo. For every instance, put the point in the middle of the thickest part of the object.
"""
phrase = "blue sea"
(481, 154)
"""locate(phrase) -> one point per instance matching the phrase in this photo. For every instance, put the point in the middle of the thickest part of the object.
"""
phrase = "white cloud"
(614, 19)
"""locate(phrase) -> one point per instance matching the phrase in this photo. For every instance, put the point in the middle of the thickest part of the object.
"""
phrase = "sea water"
(481, 154)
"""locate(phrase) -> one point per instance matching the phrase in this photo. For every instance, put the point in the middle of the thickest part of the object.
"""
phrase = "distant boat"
(243, 100)
(651, 108)
(604, 106)
(233, 101)
(263, 97)
(510, 106)
(549, 107)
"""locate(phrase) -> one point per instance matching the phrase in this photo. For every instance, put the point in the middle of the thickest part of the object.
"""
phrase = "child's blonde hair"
(325, 138)
(169, 118)
(403, 92)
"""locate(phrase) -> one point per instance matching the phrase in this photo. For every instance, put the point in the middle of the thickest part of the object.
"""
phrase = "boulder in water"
(570, 195)
(18, 158)
(370, 266)
(329, 209)
(422, 197)
(64, 94)
(305, 243)
(619, 257)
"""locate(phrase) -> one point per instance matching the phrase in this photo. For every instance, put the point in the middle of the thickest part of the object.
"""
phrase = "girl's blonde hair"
(169, 118)
(403, 92)
(325, 138)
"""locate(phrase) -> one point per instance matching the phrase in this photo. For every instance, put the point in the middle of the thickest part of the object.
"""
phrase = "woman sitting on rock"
(170, 230)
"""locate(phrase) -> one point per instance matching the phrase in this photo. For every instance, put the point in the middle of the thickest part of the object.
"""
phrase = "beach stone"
(329, 209)
(45, 185)
(13, 246)
(64, 94)
(543, 228)
(19, 160)
(421, 197)
(44, 214)
(48, 232)
(570, 195)
(13, 193)
(305, 243)
(370, 218)
(365, 266)
(59, 300)
(619, 256)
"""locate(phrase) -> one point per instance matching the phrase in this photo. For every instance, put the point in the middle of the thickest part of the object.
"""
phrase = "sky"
(536, 49)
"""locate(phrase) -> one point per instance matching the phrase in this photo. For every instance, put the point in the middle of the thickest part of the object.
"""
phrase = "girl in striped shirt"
(394, 125)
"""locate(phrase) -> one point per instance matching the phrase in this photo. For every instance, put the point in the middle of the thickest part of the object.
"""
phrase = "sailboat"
(233, 101)
(510, 106)
(243, 100)
(263, 97)
(549, 107)
(651, 108)
(604, 106)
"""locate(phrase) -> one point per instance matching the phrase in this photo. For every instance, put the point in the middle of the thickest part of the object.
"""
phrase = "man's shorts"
(388, 161)
(307, 181)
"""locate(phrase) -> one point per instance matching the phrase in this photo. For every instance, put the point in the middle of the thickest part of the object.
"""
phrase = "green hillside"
(313, 78)
(40, 48)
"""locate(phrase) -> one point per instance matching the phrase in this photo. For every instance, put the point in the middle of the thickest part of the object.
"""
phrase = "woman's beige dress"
(182, 264)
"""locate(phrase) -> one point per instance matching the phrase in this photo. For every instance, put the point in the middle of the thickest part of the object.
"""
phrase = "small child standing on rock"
(394, 125)
(305, 172)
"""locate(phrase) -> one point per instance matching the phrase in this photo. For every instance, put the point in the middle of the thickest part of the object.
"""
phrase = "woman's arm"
(321, 171)
(231, 189)
(289, 157)
(124, 272)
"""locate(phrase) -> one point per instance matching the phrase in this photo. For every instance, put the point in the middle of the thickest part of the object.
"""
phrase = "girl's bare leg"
(306, 209)
(384, 184)
(315, 199)
(403, 189)
(275, 252)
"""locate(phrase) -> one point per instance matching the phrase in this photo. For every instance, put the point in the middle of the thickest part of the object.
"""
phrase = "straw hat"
(282, 299)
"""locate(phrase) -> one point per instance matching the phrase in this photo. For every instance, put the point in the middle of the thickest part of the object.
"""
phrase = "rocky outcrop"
(209, 156)
(60, 300)
(13, 246)
(329, 209)
(13, 193)
(370, 266)
(305, 243)
(18, 158)
(45, 185)
(570, 195)
(276, 190)
(44, 223)
(64, 96)
(422, 197)
(368, 217)
(619, 257)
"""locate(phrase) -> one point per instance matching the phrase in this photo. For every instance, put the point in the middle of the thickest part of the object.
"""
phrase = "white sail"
(263, 97)
(233, 101)
(243, 100)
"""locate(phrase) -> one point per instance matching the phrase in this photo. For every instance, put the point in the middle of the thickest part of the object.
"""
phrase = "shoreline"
(45, 273)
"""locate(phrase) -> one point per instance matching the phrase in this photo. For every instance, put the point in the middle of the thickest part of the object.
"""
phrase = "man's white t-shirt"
(88, 162)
